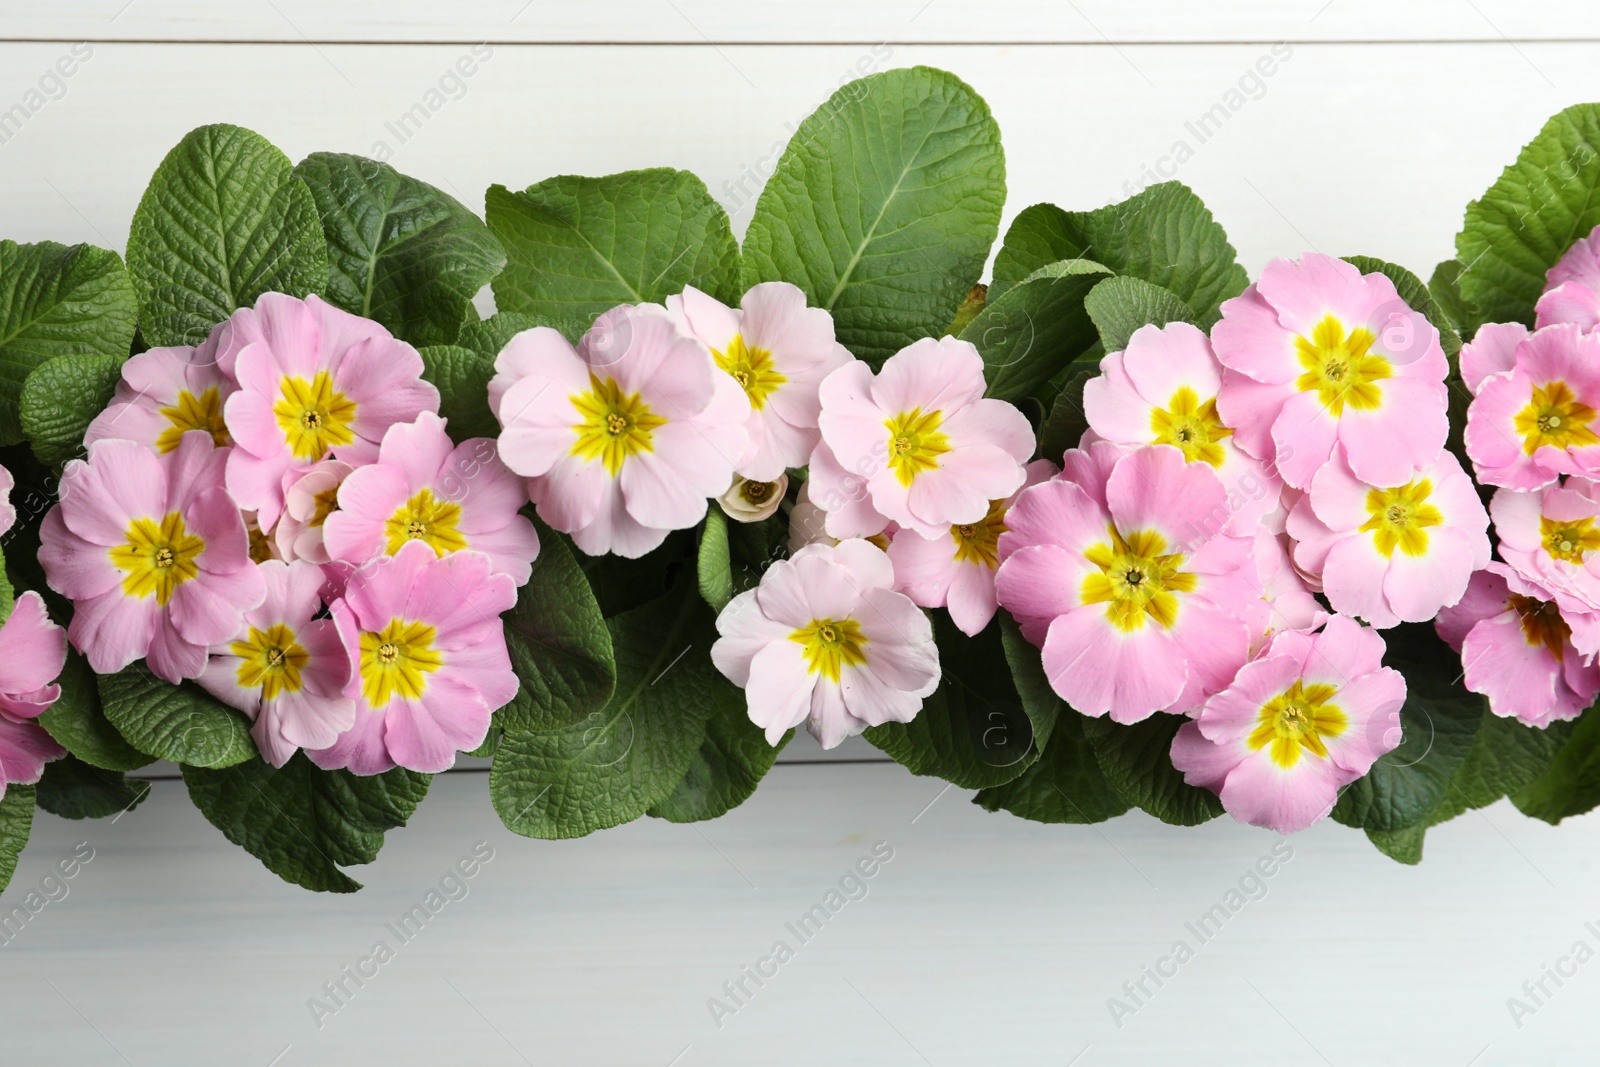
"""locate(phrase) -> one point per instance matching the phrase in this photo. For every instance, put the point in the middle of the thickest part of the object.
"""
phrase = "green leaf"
(1165, 235)
(60, 399)
(615, 765)
(74, 789)
(973, 730)
(1065, 784)
(1402, 846)
(1137, 759)
(1064, 427)
(1571, 784)
(731, 762)
(57, 300)
(16, 822)
(181, 723)
(1416, 295)
(621, 584)
(462, 377)
(488, 336)
(1439, 722)
(883, 208)
(223, 221)
(1039, 701)
(560, 647)
(578, 247)
(78, 721)
(1538, 207)
(1120, 306)
(399, 250)
(1035, 328)
(1445, 288)
(714, 567)
(302, 822)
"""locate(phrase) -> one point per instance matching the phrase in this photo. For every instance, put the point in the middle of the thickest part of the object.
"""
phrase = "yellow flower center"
(1542, 624)
(158, 557)
(830, 644)
(203, 412)
(614, 427)
(431, 521)
(260, 545)
(1555, 417)
(1136, 580)
(915, 443)
(1569, 541)
(1400, 518)
(270, 660)
(1340, 367)
(752, 368)
(327, 502)
(394, 660)
(976, 541)
(757, 494)
(313, 415)
(1296, 721)
(1191, 426)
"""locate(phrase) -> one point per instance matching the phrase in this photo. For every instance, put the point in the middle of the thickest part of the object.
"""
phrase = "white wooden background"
(986, 940)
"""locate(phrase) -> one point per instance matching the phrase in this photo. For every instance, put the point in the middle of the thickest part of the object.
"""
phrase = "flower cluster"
(1528, 629)
(279, 515)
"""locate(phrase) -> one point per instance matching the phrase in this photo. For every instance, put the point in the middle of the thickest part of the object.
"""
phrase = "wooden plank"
(984, 941)
(696, 21)
(1344, 148)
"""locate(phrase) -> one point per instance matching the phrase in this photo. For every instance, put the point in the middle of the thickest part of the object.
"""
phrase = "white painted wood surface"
(986, 940)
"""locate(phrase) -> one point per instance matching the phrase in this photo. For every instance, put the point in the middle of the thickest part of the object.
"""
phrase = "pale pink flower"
(1289, 602)
(624, 438)
(808, 523)
(1551, 538)
(310, 495)
(1393, 554)
(825, 641)
(956, 571)
(1572, 287)
(312, 379)
(1319, 355)
(424, 631)
(426, 488)
(1299, 723)
(1516, 649)
(286, 669)
(166, 392)
(778, 350)
(1492, 350)
(33, 650)
(1531, 424)
(153, 553)
(1162, 390)
(1127, 583)
(842, 498)
(932, 450)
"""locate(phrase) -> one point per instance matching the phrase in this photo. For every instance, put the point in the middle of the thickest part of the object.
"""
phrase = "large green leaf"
(462, 377)
(560, 647)
(1570, 785)
(613, 766)
(883, 208)
(16, 823)
(74, 789)
(1036, 328)
(399, 250)
(302, 822)
(181, 723)
(1137, 759)
(78, 721)
(1065, 784)
(1439, 722)
(1529, 217)
(731, 762)
(1121, 306)
(61, 398)
(973, 730)
(57, 300)
(1165, 235)
(223, 221)
(578, 247)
